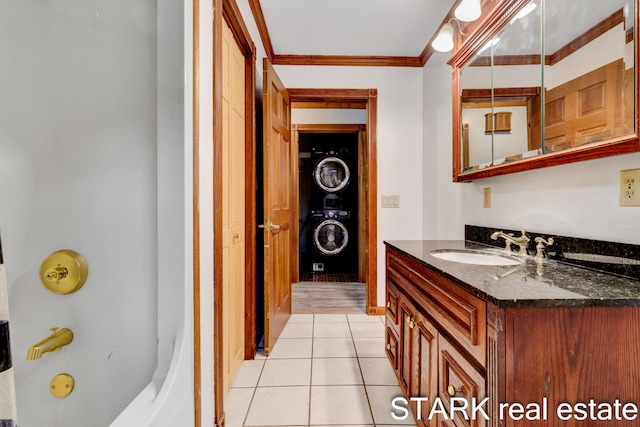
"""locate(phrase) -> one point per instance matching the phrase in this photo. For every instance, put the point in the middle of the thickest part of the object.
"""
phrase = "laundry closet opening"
(328, 207)
(331, 218)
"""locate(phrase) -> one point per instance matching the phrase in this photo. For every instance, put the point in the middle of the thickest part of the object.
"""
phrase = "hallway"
(326, 369)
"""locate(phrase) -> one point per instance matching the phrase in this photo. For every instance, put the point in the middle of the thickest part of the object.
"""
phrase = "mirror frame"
(496, 14)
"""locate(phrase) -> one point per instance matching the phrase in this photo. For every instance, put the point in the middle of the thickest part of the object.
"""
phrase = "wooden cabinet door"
(459, 377)
(424, 366)
(406, 313)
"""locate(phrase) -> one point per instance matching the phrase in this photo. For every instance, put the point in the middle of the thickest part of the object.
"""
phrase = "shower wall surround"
(7, 384)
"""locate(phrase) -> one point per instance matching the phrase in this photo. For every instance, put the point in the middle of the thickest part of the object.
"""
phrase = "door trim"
(359, 130)
(370, 98)
(229, 11)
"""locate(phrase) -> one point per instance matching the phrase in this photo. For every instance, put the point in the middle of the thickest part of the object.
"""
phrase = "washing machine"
(334, 178)
(335, 243)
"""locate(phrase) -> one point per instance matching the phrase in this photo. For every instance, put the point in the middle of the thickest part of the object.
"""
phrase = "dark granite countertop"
(534, 283)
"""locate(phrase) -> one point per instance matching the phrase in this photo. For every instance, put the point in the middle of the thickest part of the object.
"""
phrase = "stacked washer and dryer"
(334, 208)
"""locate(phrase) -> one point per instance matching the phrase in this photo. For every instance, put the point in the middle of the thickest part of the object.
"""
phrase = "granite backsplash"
(610, 257)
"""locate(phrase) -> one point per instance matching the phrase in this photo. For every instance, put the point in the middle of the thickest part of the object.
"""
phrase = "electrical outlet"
(487, 197)
(630, 187)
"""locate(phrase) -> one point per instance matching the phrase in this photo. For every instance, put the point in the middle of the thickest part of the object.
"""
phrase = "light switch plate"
(630, 187)
(390, 201)
(487, 197)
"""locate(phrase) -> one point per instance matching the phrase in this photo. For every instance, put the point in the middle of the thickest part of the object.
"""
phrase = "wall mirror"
(545, 82)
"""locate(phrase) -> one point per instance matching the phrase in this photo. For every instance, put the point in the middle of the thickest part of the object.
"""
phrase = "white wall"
(399, 140)
(78, 166)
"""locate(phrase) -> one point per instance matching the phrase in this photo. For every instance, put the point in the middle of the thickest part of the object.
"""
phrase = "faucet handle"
(541, 245)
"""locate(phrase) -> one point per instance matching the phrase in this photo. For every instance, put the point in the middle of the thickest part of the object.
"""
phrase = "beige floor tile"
(339, 405)
(377, 371)
(380, 398)
(248, 374)
(297, 330)
(369, 347)
(367, 330)
(279, 406)
(330, 318)
(336, 371)
(331, 330)
(285, 372)
(236, 405)
(291, 348)
(333, 347)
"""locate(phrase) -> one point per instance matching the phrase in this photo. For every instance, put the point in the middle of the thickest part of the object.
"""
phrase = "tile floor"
(325, 370)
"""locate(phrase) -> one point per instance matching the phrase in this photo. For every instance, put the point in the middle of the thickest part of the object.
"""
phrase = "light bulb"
(468, 10)
(444, 41)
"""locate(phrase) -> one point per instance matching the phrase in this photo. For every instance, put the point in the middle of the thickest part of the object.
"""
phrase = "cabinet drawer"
(391, 347)
(458, 377)
(460, 314)
(393, 302)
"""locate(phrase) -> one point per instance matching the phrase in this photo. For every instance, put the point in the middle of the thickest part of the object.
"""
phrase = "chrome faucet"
(54, 342)
(522, 241)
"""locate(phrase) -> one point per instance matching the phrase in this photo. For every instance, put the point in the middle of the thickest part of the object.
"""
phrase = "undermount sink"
(469, 256)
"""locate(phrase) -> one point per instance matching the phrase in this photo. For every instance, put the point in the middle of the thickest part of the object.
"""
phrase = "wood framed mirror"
(564, 74)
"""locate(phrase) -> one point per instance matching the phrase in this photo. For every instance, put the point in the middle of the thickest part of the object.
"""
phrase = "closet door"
(233, 205)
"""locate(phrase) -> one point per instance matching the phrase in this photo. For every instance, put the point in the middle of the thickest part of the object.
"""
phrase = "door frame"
(360, 131)
(228, 10)
(353, 98)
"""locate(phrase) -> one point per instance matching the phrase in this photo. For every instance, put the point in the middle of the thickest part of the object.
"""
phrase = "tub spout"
(54, 342)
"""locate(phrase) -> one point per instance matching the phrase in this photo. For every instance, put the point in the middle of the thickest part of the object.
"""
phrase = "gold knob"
(63, 272)
(236, 237)
(411, 324)
(388, 346)
(388, 304)
(453, 390)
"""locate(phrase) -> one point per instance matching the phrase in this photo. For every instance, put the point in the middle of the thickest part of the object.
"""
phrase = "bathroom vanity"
(546, 343)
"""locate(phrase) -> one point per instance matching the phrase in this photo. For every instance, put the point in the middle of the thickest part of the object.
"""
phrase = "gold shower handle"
(64, 272)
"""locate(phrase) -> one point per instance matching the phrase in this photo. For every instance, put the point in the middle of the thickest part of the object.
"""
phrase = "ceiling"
(396, 32)
(372, 28)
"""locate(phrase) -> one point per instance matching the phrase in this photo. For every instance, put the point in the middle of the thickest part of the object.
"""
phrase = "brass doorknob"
(64, 272)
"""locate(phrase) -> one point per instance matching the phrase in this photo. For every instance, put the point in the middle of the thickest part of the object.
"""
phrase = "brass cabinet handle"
(388, 304)
(453, 390)
(388, 346)
(410, 321)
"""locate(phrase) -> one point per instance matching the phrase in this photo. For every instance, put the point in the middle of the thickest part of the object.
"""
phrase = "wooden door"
(278, 195)
(233, 206)
(588, 108)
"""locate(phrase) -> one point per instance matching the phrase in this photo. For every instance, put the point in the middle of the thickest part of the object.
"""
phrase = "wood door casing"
(277, 178)
(233, 205)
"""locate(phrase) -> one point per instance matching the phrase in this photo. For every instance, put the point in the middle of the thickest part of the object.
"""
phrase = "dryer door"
(330, 237)
(331, 174)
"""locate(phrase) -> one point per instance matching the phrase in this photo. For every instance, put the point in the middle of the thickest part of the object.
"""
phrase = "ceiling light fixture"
(468, 10)
(444, 41)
